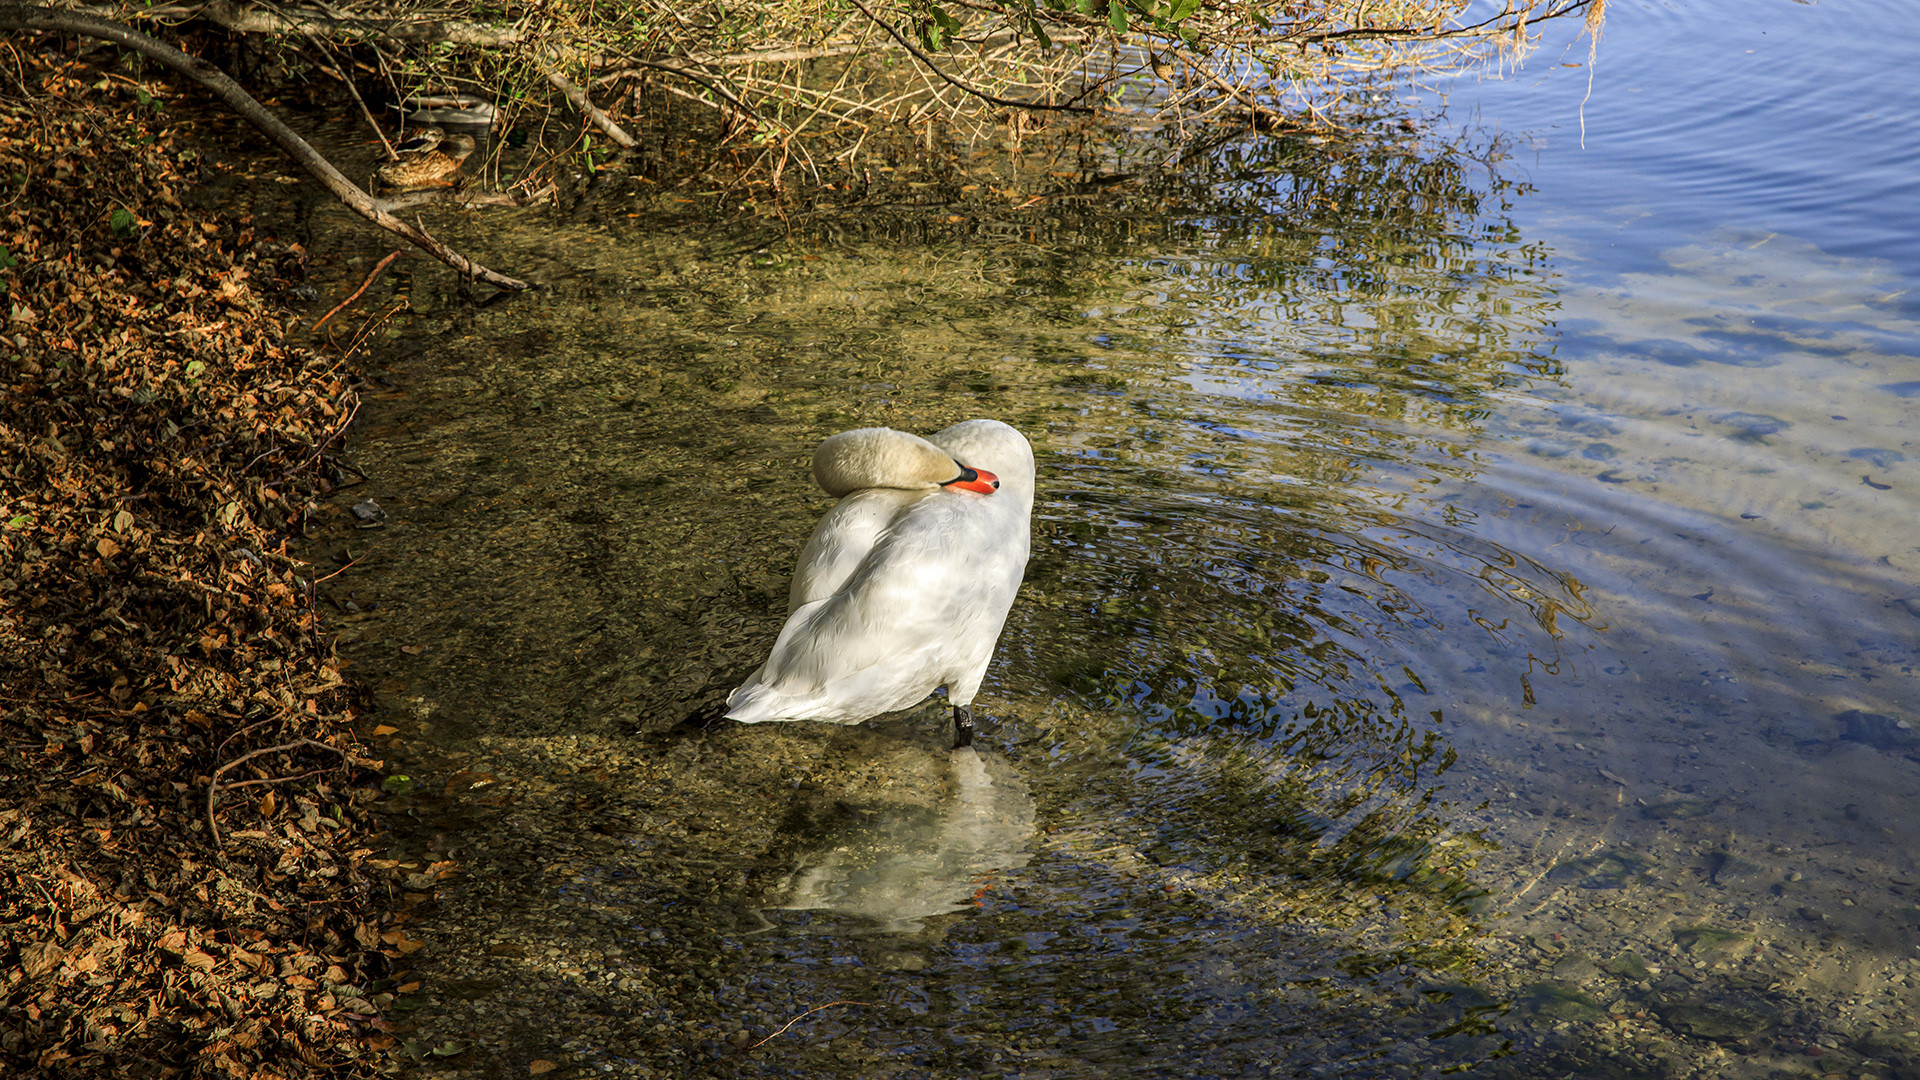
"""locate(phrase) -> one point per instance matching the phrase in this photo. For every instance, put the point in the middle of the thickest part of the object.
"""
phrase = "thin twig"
(321, 446)
(733, 101)
(340, 71)
(345, 568)
(214, 785)
(377, 270)
(272, 779)
(366, 330)
(720, 106)
(804, 1015)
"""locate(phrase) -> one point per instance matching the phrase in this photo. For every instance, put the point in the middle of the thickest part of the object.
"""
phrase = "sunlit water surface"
(1468, 624)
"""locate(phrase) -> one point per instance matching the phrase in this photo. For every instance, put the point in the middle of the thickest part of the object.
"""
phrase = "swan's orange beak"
(979, 480)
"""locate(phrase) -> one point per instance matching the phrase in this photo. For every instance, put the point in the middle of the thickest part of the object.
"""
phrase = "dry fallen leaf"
(468, 781)
(401, 943)
(41, 957)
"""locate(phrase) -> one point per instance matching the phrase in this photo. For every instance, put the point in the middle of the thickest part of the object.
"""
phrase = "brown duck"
(426, 161)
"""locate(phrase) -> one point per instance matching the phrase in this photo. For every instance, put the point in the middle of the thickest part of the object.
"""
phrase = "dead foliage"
(159, 445)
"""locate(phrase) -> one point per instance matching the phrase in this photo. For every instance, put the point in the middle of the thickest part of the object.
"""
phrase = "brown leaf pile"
(159, 446)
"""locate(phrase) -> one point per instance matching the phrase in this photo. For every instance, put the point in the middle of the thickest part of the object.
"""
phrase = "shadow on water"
(1329, 733)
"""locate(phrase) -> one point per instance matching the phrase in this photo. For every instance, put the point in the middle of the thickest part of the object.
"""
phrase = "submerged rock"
(1728, 1018)
(1878, 730)
(1561, 1002)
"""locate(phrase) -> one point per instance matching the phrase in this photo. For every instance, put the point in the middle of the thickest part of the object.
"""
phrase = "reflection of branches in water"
(1222, 614)
(1338, 270)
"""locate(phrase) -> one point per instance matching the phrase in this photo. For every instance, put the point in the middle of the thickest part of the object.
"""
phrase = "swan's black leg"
(962, 726)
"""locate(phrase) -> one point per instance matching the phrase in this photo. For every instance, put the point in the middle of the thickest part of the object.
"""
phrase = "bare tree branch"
(592, 112)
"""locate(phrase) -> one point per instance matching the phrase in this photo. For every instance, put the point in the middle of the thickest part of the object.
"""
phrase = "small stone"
(1574, 968)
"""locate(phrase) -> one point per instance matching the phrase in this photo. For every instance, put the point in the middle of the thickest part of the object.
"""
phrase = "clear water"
(1473, 615)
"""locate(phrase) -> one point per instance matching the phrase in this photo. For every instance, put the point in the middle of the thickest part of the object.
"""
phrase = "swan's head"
(880, 457)
(990, 444)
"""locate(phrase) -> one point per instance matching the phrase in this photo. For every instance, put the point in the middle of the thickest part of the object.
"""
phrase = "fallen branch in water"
(377, 270)
(27, 17)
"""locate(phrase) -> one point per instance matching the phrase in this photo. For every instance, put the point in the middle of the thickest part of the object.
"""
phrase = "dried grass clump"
(771, 71)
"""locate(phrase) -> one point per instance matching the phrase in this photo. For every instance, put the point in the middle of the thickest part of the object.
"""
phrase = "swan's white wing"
(900, 601)
(923, 608)
(844, 537)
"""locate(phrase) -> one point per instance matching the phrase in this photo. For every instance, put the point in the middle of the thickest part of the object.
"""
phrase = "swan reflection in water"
(907, 861)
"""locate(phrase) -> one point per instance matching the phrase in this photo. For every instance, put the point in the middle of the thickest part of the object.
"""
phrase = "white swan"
(904, 585)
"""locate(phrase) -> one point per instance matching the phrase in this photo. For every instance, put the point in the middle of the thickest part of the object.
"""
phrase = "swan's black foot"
(962, 726)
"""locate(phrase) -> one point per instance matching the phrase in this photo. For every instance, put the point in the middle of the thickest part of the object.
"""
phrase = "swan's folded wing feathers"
(842, 540)
(895, 608)
(889, 616)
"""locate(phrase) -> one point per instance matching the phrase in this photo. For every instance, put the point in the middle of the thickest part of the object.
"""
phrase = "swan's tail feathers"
(754, 703)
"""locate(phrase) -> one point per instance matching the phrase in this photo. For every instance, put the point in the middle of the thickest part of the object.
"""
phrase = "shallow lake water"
(1472, 619)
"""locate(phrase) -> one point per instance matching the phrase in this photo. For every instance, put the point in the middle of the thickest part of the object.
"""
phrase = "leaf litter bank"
(184, 840)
